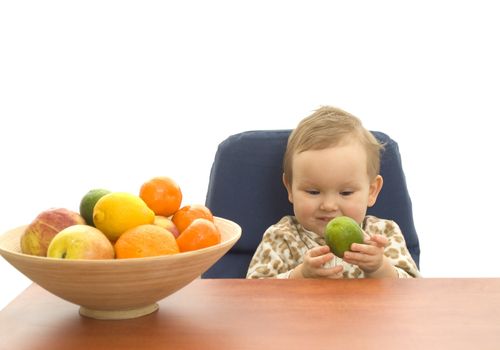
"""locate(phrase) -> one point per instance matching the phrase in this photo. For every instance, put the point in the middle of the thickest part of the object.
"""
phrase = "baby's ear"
(375, 187)
(288, 187)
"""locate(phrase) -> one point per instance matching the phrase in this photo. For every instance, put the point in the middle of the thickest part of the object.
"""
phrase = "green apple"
(37, 236)
(340, 233)
(80, 242)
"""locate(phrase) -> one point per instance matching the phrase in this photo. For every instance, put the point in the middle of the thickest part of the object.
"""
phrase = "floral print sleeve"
(280, 251)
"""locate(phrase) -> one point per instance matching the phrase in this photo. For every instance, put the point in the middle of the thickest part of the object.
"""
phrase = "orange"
(162, 195)
(186, 215)
(145, 240)
(201, 233)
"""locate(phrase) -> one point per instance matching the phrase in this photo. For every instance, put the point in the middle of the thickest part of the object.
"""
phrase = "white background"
(111, 93)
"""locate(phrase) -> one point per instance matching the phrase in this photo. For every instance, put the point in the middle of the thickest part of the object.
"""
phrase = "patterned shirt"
(284, 245)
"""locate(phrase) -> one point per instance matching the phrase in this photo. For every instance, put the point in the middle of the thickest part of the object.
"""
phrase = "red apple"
(37, 236)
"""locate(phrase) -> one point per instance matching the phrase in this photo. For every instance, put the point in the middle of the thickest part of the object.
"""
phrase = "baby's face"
(330, 182)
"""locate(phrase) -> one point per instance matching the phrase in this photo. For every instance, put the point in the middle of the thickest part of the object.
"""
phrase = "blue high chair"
(245, 186)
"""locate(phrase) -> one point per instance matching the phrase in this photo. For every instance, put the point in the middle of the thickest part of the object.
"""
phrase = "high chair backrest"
(246, 186)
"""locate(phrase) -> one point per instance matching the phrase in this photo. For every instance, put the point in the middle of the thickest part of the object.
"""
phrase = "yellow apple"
(80, 242)
(165, 222)
(37, 236)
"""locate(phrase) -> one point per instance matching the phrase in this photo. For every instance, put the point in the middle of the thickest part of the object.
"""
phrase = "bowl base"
(118, 314)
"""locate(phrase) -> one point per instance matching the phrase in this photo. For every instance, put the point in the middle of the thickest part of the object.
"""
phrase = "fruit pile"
(123, 225)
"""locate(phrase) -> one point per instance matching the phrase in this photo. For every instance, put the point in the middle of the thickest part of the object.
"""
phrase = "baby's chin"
(320, 231)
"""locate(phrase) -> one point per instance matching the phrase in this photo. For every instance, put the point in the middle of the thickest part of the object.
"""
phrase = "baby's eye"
(346, 193)
(313, 192)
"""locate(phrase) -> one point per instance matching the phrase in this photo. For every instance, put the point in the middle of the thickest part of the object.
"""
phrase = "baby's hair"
(328, 127)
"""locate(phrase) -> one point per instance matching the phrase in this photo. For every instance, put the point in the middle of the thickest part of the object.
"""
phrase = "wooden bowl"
(117, 288)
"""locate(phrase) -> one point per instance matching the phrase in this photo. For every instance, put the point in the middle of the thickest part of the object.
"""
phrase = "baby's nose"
(329, 203)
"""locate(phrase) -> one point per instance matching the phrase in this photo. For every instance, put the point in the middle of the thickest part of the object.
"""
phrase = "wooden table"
(274, 314)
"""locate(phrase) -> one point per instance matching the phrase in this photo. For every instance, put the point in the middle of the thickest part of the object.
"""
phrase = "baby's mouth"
(325, 219)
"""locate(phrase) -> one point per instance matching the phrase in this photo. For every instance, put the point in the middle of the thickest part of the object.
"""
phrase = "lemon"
(88, 202)
(116, 212)
(340, 233)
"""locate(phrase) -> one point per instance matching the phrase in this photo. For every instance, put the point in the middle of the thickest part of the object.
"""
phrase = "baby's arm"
(269, 261)
(282, 253)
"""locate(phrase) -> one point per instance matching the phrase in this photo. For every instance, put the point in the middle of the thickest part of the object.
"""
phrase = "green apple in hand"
(80, 242)
(341, 232)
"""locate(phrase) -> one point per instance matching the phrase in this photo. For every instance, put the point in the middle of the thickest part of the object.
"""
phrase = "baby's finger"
(378, 240)
(334, 272)
(319, 261)
(361, 248)
(318, 251)
(355, 258)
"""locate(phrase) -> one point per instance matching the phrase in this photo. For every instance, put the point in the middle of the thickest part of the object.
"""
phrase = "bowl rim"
(116, 261)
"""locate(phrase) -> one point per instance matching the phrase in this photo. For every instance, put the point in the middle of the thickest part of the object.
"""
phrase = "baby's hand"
(312, 267)
(369, 256)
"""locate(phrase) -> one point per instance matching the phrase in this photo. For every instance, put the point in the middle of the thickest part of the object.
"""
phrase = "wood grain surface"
(275, 314)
